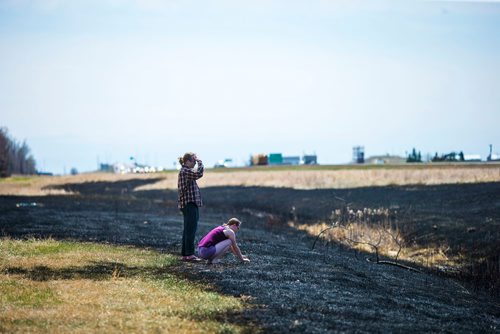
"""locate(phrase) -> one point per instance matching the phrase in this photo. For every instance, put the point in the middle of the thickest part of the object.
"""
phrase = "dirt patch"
(290, 287)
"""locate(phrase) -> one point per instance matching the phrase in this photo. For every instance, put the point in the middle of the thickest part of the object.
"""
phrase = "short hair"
(233, 221)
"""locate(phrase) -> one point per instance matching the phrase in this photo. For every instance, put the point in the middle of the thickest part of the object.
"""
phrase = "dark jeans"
(191, 216)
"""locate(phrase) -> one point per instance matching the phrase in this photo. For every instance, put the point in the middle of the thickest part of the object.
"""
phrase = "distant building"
(385, 160)
(121, 168)
(258, 160)
(275, 159)
(106, 168)
(279, 159)
(224, 163)
(310, 159)
(358, 154)
(493, 156)
(293, 160)
(472, 157)
(126, 168)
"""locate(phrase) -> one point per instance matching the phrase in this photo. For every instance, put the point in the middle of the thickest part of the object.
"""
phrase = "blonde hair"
(233, 221)
(187, 156)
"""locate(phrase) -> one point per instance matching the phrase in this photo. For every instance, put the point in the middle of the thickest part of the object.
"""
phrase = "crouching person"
(219, 241)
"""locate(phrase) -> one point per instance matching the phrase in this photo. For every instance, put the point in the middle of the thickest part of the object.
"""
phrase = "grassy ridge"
(60, 286)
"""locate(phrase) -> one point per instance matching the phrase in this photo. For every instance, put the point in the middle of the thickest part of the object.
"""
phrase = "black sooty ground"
(288, 286)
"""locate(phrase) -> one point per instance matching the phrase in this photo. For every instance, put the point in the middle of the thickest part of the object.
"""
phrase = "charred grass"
(451, 229)
(439, 216)
(437, 226)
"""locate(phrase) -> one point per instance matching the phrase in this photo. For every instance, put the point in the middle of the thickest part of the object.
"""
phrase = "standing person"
(219, 241)
(189, 201)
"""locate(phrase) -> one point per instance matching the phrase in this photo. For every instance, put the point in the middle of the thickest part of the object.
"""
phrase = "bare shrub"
(373, 231)
(367, 229)
(376, 232)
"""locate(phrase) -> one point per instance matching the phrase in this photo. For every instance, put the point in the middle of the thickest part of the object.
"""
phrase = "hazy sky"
(103, 80)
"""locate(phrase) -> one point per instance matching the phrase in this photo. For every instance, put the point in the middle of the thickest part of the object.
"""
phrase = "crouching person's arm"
(234, 246)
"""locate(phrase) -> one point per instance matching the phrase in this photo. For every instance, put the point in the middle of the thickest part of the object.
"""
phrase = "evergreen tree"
(414, 156)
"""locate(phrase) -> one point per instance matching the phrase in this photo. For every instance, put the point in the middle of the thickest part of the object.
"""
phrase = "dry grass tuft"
(373, 231)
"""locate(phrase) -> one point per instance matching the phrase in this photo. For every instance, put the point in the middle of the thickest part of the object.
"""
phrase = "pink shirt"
(213, 237)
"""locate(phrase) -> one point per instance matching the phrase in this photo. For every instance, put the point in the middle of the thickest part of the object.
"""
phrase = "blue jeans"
(191, 216)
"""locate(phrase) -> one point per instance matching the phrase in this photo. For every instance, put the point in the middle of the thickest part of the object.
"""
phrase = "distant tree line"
(414, 156)
(453, 156)
(15, 157)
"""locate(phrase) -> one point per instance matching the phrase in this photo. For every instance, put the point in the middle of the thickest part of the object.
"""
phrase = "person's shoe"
(217, 261)
(191, 258)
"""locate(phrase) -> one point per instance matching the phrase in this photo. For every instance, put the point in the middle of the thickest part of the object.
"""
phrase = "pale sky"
(103, 80)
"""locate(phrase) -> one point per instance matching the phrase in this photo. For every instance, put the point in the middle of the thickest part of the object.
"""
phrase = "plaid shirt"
(187, 186)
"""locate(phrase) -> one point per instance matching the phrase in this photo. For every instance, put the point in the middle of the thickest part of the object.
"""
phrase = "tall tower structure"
(358, 154)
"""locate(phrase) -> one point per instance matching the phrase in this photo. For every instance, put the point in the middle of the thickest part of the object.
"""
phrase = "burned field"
(288, 286)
